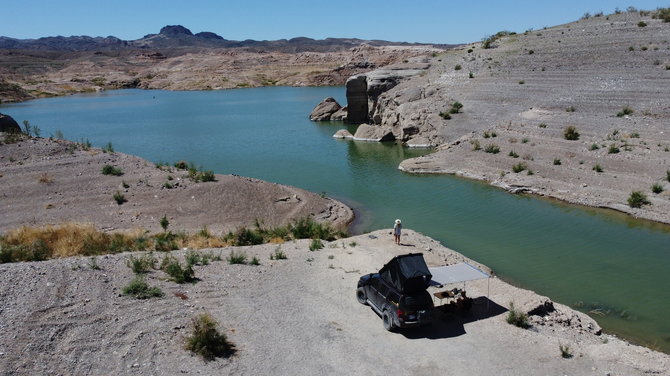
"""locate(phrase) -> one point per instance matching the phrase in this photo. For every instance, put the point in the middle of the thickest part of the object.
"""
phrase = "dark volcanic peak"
(209, 35)
(174, 30)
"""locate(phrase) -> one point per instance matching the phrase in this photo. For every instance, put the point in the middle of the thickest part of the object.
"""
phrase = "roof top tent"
(408, 273)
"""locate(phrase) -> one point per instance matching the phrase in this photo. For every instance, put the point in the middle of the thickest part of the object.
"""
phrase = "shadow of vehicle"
(448, 321)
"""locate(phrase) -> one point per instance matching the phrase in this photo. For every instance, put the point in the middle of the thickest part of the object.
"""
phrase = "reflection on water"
(598, 261)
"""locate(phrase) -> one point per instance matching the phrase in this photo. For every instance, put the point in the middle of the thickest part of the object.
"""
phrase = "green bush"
(111, 170)
(139, 289)
(315, 245)
(637, 199)
(108, 148)
(193, 258)
(492, 148)
(445, 115)
(38, 250)
(565, 351)
(641, 24)
(458, 67)
(542, 125)
(513, 154)
(519, 167)
(237, 257)
(255, 261)
(278, 255)
(206, 341)
(119, 198)
(625, 111)
(571, 109)
(142, 264)
(594, 146)
(597, 168)
(657, 188)
(179, 274)
(557, 162)
(456, 107)
(517, 318)
(613, 149)
(245, 236)
(570, 133)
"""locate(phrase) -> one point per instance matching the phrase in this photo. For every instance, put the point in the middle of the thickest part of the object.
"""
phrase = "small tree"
(164, 223)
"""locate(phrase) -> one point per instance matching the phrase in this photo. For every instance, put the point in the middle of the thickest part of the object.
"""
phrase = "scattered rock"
(367, 132)
(324, 110)
(8, 124)
(343, 133)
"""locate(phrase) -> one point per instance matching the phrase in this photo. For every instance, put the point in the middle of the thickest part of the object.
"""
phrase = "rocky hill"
(177, 59)
(578, 112)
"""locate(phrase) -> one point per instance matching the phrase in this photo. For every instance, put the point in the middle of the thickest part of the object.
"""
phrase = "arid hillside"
(579, 112)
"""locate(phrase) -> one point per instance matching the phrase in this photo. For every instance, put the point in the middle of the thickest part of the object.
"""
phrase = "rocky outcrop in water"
(324, 110)
(8, 124)
(368, 132)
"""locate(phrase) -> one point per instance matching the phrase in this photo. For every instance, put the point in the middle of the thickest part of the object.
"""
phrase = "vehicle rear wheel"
(388, 321)
(360, 296)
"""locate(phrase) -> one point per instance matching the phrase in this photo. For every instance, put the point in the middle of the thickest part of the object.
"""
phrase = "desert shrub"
(521, 82)
(513, 154)
(45, 178)
(530, 52)
(108, 148)
(625, 111)
(141, 264)
(565, 351)
(613, 149)
(458, 67)
(206, 340)
(255, 261)
(111, 170)
(475, 145)
(524, 140)
(657, 188)
(315, 245)
(237, 257)
(174, 269)
(517, 318)
(245, 236)
(542, 125)
(182, 165)
(445, 115)
(571, 109)
(634, 135)
(471, 75)
(570, 133)
(641, 24)
(492, 148)
(307, 228)
(139, 289)
(165, 242)
(594, 146)
(456, 107)
(637, 199)
(519, 167)
(667, 175)
(119, 198)
(557, 162)
(193, 258)
(278, 254)
(38, 250)
(206, 176)
(164, 222)
(597, 168)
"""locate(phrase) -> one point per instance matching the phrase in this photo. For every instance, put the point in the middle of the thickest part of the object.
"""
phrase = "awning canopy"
(456, 273)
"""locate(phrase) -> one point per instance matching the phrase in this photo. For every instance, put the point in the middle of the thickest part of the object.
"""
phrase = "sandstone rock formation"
(324, 110)
(368, 132)
(8, 124)
(340, 115)
(343, 133)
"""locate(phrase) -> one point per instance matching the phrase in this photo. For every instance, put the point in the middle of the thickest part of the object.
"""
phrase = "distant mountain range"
(177, 36)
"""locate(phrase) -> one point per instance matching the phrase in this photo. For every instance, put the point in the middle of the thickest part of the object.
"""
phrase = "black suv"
(398, 292)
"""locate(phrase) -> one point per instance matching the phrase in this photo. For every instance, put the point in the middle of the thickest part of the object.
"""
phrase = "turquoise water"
(586, 258)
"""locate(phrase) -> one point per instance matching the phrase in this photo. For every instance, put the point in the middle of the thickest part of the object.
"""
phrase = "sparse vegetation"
(557, 162)
(206, 340)
(594, 146)
(456, 107)
(657, 188)
(565, 351)
(237, 257)
(613, 149)
(571, 109)
(570, 133)
(513, 154)
(475, 145)
(45, 178)
(108, 148)
(492, 148)
(597, 168)
(111, 170)
(255, 261)
(164, 222)
(521, 82)
(641, 24)
(517, 318)
(625, 111)
(519, 167)
(142, 264)
(637, 199)
(174, 269)
(278, 254)
(445, 115)
(458, 67)
(315, 245)
(542, 125)
(119, 198)
(139, 289)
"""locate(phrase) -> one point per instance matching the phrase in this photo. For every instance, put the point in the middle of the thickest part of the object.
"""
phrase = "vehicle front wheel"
(360, 296)
(388, 321)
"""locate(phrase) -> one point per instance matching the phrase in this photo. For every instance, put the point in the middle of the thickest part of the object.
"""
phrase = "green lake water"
(587, 258)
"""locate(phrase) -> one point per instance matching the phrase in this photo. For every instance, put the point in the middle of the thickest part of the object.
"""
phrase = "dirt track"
(297, 316)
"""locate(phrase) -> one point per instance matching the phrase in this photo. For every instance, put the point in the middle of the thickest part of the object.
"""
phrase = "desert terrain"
(607, 76)
(294, 316)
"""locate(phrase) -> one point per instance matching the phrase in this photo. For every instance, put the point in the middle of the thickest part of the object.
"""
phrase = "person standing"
(397, 230)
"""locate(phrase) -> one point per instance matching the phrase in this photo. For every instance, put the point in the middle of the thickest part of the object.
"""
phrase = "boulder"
(324, 110)
(340, 115)
(8, 124)
(367, 132)
(343, 133)
(357, 99)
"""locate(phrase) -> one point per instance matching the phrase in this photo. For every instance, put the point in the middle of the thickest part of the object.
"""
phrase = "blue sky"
(429, 21)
